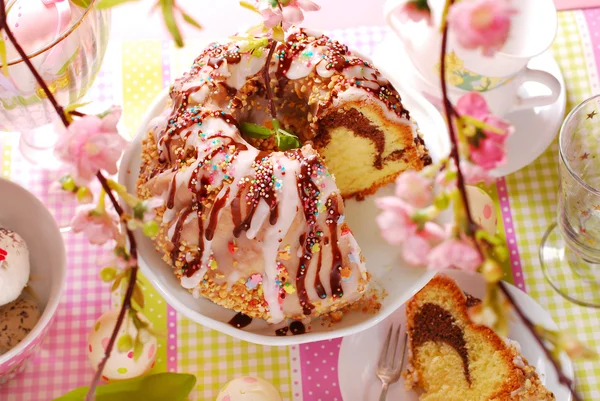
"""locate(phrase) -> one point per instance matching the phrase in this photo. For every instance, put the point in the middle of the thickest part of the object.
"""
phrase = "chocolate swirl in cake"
(434, 323)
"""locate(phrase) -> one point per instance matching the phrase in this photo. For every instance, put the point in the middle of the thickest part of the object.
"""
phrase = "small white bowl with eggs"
(26, 215)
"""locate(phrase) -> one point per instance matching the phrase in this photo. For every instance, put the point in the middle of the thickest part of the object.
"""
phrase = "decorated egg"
(483, 209)
(249, 388)
(120, 365)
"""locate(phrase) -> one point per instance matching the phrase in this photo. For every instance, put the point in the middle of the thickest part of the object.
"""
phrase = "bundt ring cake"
(259, 230)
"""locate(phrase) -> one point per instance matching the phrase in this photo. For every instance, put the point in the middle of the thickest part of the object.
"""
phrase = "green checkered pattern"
(533, 196)
(216, 358)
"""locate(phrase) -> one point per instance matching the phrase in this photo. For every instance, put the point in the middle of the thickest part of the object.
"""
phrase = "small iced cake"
(17, 319)
(453, 359)
(14, 265)
(249, 389)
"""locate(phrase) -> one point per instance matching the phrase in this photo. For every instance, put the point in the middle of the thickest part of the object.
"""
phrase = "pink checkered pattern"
(61, 364)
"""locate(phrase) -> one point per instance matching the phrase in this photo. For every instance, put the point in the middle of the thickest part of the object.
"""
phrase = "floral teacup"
(498, 77)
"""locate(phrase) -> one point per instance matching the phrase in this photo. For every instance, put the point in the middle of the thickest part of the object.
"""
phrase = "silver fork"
(389, 369)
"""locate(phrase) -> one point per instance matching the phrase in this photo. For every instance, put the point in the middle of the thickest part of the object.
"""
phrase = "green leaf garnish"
(256, 131)
(158, 387)
(190, 20)
(102, 4)
(168, 11)
(286, 140)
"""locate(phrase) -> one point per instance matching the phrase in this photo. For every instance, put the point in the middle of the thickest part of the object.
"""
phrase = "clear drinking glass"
(68, 65)
(570, 249)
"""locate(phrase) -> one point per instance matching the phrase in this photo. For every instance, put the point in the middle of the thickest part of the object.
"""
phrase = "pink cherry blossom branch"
(128, 292)
(126, 305)
(471, 226)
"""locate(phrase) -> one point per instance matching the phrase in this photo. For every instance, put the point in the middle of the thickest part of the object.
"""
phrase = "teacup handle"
(388, 12)
(544, 78)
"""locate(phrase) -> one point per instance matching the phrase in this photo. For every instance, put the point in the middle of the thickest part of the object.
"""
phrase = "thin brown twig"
(454, 152)
(127, 298)
(562, 378)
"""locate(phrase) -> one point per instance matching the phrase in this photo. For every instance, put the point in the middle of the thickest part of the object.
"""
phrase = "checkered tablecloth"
(132, 74)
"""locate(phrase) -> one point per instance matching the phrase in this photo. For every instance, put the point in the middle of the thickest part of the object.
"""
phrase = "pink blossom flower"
(475, 174)
(416, 248)
(415, 10)
(487, 147)
(146, 209)
(288, 13)
(90, 144)
(98, 226)
(414, 188)
(455, 253)
(481, 23)
(473, 104)
(118, 259)
(395, 221)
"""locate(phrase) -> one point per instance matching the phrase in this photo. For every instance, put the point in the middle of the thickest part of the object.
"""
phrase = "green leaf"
(138, 349)
(116, 283)
(150, 228)
(137, 322)
(256, 131)
(159, 387)
(138, 296)
(286, 140)
(3, 57)
(278, 34)
(100, 4)
(82, 3)
(124, 343)
(108, 274)
(249, 6)
(190, 20)
(75, 106)
(168, 10)
(68, 183)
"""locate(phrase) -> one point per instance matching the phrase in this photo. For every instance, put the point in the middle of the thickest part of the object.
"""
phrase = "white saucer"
(535, 129)
(359, 353)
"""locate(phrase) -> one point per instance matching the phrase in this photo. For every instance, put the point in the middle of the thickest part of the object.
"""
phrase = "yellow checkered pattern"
(534, 196)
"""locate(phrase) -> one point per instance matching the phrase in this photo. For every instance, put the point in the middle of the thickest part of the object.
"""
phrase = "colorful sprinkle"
(289, 288)
(253, 281)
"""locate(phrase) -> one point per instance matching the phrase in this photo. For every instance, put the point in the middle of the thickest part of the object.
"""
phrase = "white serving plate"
(359, 353)
(384, 263)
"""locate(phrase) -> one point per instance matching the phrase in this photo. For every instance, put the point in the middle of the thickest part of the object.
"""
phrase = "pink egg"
(483, 209)
(120, 365)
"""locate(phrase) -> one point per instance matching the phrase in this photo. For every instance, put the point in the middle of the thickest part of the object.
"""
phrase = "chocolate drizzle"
(214, 215)
(177, 234)
(171, 198)
(240, 321)
(307, 190)
(318, 285)
(336, 268)
(434, 323)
